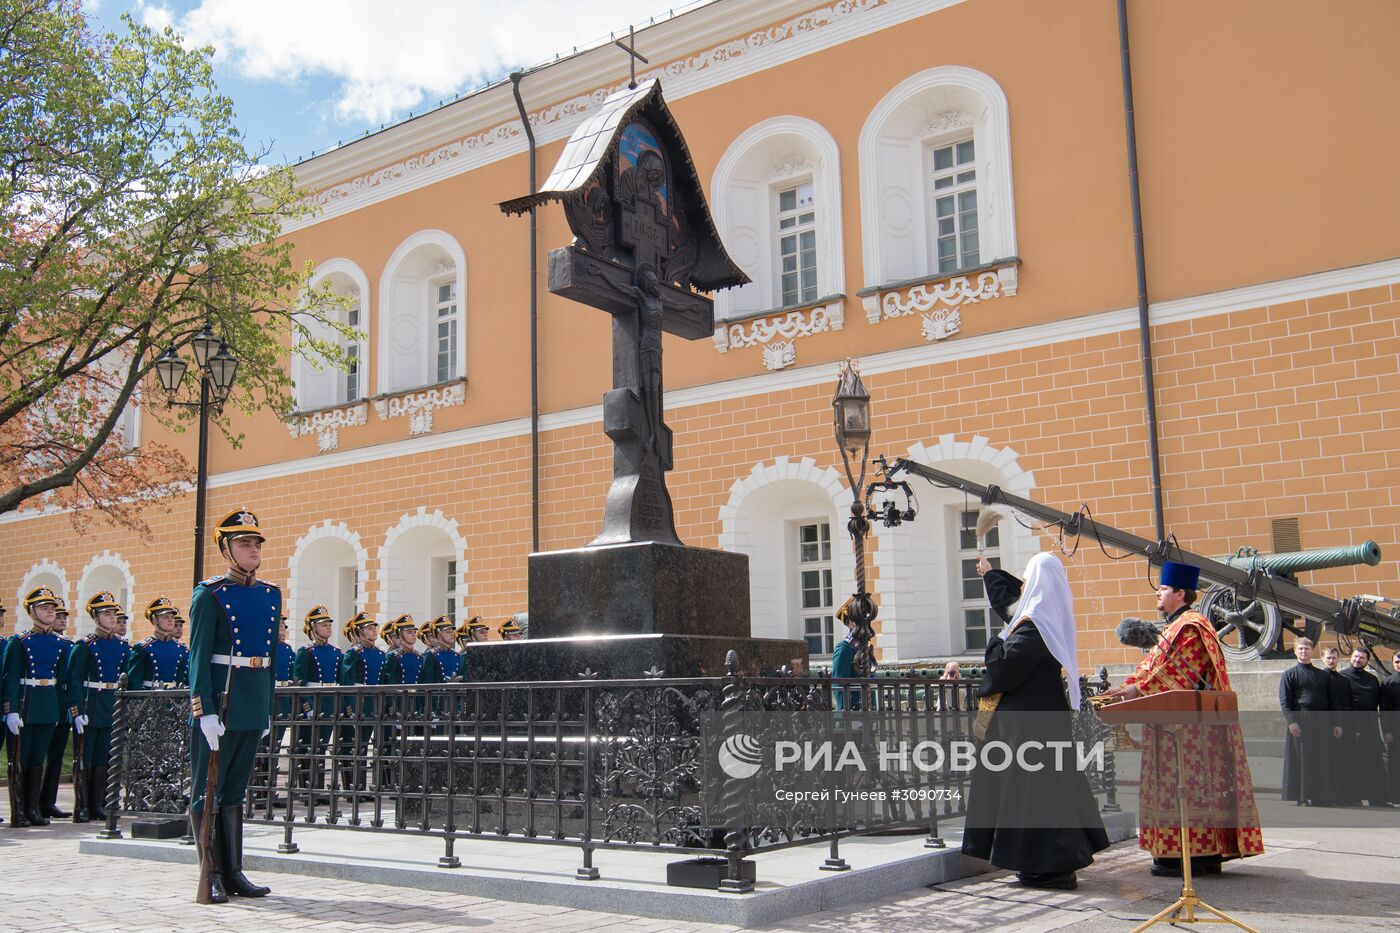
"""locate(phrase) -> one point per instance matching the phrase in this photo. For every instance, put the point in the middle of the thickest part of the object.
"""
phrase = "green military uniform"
(234, 628)
(316, 663)
(359, 666)
(33, 700)
(63, 731)
(94, 674)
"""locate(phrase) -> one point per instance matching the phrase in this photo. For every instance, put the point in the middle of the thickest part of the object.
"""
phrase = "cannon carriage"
(1248, 617)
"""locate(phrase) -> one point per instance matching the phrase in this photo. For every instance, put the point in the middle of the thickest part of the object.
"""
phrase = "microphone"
(1137, 633)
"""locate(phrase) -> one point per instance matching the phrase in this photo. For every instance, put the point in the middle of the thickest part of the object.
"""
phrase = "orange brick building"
(936, 187)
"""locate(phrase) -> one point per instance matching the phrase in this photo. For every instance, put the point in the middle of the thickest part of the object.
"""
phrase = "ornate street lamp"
(218, 368)
(851, 405)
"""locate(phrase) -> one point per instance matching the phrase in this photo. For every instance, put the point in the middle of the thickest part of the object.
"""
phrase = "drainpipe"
(534, 330)
(1144, 326)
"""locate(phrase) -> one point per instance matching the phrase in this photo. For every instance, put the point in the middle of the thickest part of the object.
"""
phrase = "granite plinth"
(639, 588)
(621, 657)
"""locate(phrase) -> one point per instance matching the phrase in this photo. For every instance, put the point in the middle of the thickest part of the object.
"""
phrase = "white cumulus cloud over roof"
(385, 57)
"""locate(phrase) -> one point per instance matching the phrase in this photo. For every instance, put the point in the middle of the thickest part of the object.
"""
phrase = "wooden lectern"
(1173, 711)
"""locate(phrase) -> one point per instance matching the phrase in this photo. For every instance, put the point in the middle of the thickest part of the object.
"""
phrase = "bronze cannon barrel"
(1368, 552)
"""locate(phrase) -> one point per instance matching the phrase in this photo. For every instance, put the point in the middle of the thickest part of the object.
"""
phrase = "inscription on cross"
(643, 240)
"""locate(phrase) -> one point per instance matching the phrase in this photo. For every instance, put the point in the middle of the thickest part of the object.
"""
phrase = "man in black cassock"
(1343, 755)
(1390, 725)
(1306, 694)
(1366, 762)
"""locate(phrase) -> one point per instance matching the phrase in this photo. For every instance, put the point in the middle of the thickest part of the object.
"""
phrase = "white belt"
(37, 681)
(166, 685)
(240, 661)
(99, 685)
(284, 683)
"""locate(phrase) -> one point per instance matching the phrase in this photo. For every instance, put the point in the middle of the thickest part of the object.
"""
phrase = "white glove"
(266, 733)
(79, 723)
(212, 729)
(14, 723)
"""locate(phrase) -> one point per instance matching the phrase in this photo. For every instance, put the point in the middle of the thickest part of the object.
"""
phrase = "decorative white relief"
(941, 324)
(945, 121)
(779, 354)
(419, 406)
(326, 425)
(789, 167)
(795, 28)
(938, 302)
(445, 267)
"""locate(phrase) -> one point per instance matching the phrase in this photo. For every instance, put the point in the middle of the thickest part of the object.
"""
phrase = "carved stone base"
(640, 588)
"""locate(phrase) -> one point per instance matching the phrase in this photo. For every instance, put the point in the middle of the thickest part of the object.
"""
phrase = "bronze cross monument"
(643, 241)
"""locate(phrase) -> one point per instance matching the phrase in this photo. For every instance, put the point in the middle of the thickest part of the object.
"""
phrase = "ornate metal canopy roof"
(591, 151)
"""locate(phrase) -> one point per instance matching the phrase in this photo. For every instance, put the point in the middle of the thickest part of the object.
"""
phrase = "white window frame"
(356, 315)
(770, 156)
(977, 603)
(958, 186)
(894, 207)
(452, 319)
(409, 300)
(790, 225)
(824, 565)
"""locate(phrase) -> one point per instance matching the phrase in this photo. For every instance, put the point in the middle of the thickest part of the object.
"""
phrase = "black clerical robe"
(1390, 726)
(1032, 821)
(1343, 751)
(1364, 761)
(1306, 695)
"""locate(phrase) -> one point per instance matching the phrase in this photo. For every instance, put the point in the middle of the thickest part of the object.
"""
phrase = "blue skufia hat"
(1180, 576)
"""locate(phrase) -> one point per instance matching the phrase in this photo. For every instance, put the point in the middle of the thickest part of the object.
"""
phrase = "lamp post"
(851, 405)
(217, 369)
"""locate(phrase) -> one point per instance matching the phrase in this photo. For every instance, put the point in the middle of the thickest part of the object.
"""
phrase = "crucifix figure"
(643, 243)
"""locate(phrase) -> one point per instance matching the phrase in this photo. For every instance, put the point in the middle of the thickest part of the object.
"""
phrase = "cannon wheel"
(1248, 630)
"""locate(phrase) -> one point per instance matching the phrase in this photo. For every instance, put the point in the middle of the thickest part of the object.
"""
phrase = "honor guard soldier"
(234, 621)
(160, 662)
(316, 663)
(4, 643)
(179, 626)
(441, 661)
(475, 630)
(511, 630)
(33, 702)
(360, 665)
(271, 745)
(58, 745)
(94, 674)
(403, 664)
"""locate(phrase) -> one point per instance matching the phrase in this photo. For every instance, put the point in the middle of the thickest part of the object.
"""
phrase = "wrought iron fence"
(595, 764)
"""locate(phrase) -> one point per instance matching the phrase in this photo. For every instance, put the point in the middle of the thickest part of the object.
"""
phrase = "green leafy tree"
(133, 213)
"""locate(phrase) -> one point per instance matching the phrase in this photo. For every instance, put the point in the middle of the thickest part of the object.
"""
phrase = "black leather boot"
(231, 834)
(48, 804)
(33, 795)
(217, 894)
(97, 792)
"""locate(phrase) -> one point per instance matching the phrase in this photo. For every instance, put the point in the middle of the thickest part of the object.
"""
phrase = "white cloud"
(385, 58)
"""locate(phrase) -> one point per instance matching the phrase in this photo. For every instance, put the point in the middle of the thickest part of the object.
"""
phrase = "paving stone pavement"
(1313, 880)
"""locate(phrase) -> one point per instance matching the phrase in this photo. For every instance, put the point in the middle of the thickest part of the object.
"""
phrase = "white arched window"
(423, 568)
(44, 573)
(935, 178)
(106, 572)
(328, 568)
(931, 599)
(776, 195)
(422, 313)
(788, 518)
(321, 386)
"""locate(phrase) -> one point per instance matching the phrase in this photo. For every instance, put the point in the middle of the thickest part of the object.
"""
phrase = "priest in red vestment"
(1224, 821)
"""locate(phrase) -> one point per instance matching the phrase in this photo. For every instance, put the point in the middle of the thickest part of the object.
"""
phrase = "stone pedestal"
(623, 657)
(642, 588)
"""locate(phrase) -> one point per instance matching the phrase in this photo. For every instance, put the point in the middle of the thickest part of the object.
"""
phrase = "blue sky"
(305, 74)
